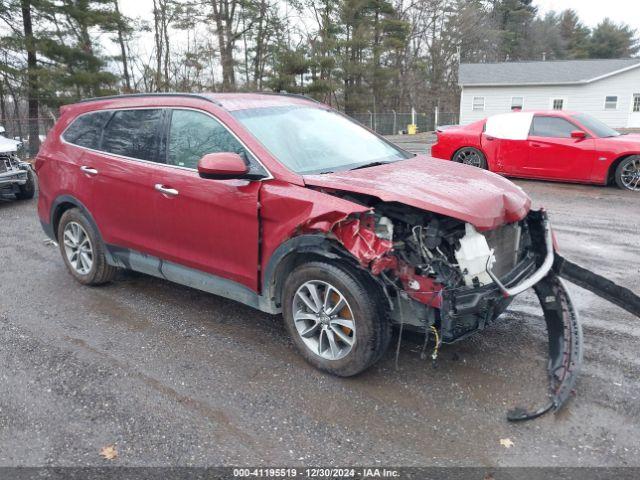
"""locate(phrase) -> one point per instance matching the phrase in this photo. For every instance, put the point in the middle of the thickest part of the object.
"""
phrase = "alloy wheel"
(630, 175)
(324, 320)
(78, 248)
(469, 157)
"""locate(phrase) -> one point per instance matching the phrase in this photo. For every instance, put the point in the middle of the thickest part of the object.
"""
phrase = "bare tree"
(32, 78)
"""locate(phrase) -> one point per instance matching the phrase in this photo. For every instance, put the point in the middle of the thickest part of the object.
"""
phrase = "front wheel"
(628, 173)
(471, 156)
(335, 317)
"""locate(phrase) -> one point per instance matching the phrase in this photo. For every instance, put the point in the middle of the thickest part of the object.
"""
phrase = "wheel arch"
(302, 249)
(66, 202)
(611, 172)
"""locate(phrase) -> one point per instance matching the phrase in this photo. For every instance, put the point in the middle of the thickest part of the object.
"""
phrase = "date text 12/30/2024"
(373, 472)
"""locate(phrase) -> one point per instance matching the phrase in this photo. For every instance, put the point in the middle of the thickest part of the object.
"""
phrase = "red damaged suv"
(288, 206)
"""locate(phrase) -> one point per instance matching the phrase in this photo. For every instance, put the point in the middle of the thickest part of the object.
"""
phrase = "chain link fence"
(392, 123)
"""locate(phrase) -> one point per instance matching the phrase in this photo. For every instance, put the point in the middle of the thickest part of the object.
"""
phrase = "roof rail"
(287, 94)
(157, 94)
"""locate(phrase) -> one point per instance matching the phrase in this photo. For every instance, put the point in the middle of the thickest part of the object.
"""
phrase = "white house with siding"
(607, 89)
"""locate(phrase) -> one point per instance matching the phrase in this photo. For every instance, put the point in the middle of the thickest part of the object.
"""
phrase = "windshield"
(598, 128)
(315, 140)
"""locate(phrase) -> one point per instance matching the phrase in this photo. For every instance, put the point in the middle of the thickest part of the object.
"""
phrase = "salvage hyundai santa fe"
(286, 205)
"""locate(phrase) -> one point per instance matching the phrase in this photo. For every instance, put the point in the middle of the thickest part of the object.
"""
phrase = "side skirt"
(150, 265)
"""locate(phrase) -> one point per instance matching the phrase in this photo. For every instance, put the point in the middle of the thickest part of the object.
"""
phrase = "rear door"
(504, 140)
(121, 171)
(77, 164)
(554, 154)
(209, 225)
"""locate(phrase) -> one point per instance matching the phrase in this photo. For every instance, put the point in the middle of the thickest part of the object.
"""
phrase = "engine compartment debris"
(446, 278)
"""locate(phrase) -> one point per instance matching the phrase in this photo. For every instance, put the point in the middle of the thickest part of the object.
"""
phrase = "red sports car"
(547, 145)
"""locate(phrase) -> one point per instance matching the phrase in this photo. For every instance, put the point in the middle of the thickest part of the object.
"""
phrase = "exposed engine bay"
(444, 277)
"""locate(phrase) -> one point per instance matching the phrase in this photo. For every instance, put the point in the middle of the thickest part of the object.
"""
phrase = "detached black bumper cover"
(563, 326)
(565, 346)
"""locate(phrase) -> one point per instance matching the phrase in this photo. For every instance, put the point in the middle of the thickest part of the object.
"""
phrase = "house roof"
(542, 73)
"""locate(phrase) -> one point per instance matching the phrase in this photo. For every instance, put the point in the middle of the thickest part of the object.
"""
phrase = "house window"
(636, 102)
(611, 102)
(517, 103)
(557, 103)
(478, 104)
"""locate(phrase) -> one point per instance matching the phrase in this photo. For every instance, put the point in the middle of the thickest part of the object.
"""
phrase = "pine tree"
(610, 40)
(574, 34)
(513, 18)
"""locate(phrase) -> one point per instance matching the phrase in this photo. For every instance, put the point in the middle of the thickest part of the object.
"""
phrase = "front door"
(634, 116)
(208, 225)
(554, 154)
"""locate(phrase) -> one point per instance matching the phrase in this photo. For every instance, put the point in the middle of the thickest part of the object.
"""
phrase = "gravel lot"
(173, 376)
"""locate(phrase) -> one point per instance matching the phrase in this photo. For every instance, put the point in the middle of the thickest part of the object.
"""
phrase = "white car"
(16, 176)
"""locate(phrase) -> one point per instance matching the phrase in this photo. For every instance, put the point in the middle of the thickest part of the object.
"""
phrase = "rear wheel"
(628, 173)
(336, 318)
(83, 250)
(28, 190)
(471, 156)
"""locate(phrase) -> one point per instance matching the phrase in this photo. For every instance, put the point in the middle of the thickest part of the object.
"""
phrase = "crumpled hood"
(482, 198)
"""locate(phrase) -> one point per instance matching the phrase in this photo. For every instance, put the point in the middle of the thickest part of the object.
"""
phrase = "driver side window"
(553, 127)
(194, 134)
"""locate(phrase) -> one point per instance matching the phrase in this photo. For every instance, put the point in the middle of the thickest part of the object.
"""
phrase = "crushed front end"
(443, 276)
(13, 172)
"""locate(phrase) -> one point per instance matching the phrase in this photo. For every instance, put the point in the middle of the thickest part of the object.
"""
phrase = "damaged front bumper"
(13, 172)
(466, 310)
(13, 177)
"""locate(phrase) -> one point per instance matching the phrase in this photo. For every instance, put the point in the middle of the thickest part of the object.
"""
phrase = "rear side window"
(134, 134)
(554, 127)
(86, 129)
(194, 134)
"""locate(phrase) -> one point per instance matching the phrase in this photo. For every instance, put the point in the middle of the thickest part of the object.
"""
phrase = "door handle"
(172, 192)
(89, 171)
(536, 145)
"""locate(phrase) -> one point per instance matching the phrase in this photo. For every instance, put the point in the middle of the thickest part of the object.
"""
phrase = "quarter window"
(134, 134)
(85, 130)
(611, 102)
(554, 127)
(194, 134)
(478, 103)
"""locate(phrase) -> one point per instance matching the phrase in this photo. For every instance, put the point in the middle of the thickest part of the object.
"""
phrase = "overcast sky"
(590, 11)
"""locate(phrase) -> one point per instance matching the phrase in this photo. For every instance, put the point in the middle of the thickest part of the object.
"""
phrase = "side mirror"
(223, 165)
(578, 134)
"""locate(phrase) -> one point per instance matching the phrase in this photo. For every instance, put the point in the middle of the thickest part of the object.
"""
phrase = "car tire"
(76, 234)
(627, 175)
(28, 190)
(471, 156)
(364, 307)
